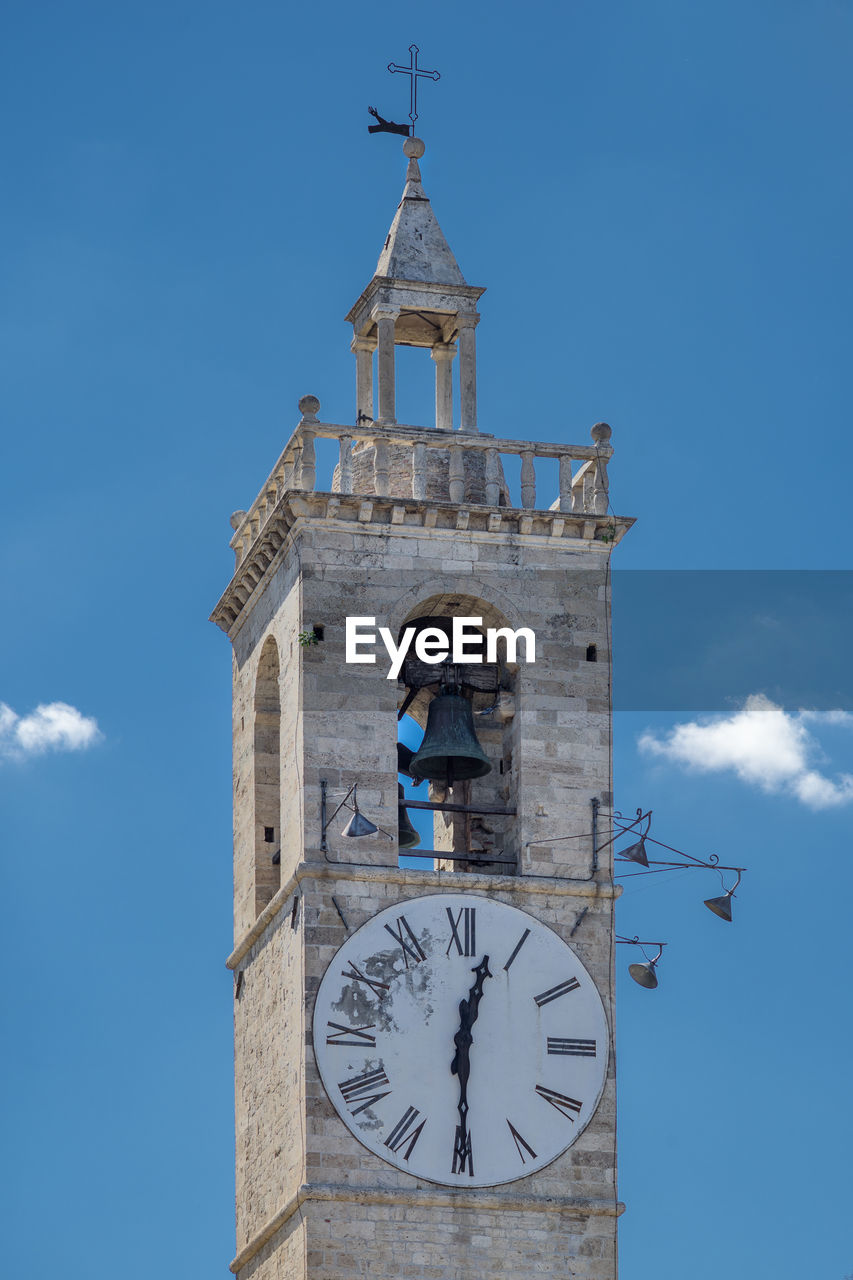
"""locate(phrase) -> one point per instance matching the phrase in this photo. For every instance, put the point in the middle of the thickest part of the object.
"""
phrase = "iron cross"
(413, 71)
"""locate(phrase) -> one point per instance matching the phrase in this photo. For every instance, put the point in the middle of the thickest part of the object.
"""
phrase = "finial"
(309, 407)
(237, 518)
(601, 433)
(413, 149)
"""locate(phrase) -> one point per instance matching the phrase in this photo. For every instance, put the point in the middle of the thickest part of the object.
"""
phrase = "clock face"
(461, 1040)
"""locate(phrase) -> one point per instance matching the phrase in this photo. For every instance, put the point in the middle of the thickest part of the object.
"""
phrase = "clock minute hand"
(468, 1010)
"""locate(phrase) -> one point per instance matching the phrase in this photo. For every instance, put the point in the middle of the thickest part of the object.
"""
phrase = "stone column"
(364, 349)
(468, 371)
(443, 354)
(385, 318)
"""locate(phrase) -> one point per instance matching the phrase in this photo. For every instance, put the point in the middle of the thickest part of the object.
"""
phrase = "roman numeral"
(519, 1143)
(404, 1131)
(565, 1106)
(576, 1048)
(554, 993)
(360, 1089)
(355, 974)
(466, 945)
(517, 948)
(359, 1036)
(411, 946)
(463, 1155)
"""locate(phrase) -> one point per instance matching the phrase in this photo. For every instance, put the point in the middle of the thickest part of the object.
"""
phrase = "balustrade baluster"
(588, 491)
(309, 461)
(600, 487)
(493, 478)
(528, 479)
(565, 482)
(380, 468)
(457, 474)
(345, 464)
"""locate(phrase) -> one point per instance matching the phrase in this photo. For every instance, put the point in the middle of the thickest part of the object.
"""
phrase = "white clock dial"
(461, 1040)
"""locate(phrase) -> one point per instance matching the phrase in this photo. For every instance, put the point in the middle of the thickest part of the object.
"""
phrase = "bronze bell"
(408, 836)
(450, 751)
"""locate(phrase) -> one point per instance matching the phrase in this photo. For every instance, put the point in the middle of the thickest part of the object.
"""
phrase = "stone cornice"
(415, 292)
(434, 1197)
(564, 531)
(418, 880)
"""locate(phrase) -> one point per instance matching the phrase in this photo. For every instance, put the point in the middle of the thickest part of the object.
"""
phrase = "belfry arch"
(492, 691)
(267, 769)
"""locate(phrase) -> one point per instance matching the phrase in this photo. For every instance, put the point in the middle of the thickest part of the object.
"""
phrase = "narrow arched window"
(267, 768)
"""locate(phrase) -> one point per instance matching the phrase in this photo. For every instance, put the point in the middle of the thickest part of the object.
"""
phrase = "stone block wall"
(312, 1203)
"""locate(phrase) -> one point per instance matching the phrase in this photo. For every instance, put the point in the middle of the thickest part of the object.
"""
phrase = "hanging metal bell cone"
(644, 974)
(408, 836)
(721, 907)
(450, 751)
(358, 825)
(636, 852)
(404, 759)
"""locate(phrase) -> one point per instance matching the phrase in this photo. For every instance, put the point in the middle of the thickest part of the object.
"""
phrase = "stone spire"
(417, 298)
(415, 247)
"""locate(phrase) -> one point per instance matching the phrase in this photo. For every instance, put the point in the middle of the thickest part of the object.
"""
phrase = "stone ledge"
(523, 885)
(571, 531)
(430, 1197)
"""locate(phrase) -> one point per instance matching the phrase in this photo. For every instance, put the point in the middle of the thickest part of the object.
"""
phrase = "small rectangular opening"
(319, 631)
(591, 653)
(269, 835)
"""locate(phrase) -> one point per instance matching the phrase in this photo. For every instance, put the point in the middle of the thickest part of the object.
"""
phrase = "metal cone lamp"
(636, 853)
(722, 906)
(358, 825)
(644, 974)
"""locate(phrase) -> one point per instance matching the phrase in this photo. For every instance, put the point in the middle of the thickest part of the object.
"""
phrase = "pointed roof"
(415, 247)
(416, 275)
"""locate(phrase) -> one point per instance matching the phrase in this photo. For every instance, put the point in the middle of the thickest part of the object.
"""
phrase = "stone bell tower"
(411, 523)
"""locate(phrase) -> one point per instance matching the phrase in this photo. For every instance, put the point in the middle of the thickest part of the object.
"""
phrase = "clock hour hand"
(461, 1064)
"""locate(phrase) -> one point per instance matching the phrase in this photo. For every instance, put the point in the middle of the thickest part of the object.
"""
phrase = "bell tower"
(491, 1148)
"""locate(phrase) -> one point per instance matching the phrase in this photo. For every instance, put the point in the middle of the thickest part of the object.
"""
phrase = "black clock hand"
(461, 1064)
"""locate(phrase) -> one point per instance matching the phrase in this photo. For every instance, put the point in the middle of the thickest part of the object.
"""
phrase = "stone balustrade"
(581, 491)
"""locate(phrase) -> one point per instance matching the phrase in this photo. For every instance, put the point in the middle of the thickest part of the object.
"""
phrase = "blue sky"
(658, 198)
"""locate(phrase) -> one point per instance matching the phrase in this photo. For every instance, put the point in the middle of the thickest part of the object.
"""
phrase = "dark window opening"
(591, 653)
(319, 631)
(269, 835)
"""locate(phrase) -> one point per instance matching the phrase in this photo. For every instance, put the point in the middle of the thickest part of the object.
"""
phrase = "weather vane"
(412, 71)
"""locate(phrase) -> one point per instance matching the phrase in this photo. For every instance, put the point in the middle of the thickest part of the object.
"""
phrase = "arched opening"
(267, 768)
(472, 817)
(410, 734)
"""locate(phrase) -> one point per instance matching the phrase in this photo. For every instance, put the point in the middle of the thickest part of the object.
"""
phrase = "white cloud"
(53, 726)
(764, 745)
